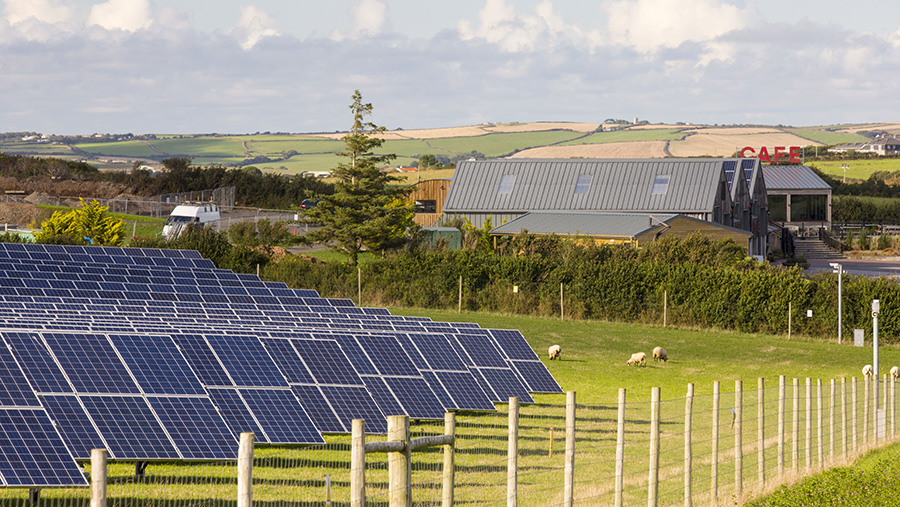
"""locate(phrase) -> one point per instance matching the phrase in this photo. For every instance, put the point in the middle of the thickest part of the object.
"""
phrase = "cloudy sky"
(242, 66)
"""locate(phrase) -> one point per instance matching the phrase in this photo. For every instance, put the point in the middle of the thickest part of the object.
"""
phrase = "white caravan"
(201, 214)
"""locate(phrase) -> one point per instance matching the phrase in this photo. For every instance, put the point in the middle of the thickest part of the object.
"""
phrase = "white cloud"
(45, 11)
(500, 24)
(126, 15)
(649, 25)
(369, 17)
(255, 24)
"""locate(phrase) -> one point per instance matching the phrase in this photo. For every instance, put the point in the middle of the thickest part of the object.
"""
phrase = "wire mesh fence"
(705, 449)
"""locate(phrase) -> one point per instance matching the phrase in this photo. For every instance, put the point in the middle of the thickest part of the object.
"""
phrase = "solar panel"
(202, 360)
(75, 426)
(505, 384)
(535, 376)
(90, 363)
(14, 388)
(281, 416)
(416, 397)
(246, 361)
(318, 408)
(196, 427)
(156, 363)
(464, 390)
(32, 454)
(236, 413)
(129, 427)
(355, 403)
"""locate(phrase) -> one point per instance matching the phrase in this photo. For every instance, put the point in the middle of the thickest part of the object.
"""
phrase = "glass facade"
(778, 208)
(809, 208)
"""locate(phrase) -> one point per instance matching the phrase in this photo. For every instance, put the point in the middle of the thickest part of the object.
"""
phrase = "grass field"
(857, 169)
(623, 136)
(827, 137)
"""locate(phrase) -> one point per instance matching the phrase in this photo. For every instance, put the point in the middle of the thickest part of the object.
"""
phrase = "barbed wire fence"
(711, 449)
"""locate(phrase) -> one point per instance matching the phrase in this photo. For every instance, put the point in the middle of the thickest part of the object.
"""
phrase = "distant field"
(495, 145)
(137, 149)
(857, 169)
(622, 136)
(827, 137)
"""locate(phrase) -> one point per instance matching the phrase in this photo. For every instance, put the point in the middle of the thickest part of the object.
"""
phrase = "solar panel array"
(157, 355)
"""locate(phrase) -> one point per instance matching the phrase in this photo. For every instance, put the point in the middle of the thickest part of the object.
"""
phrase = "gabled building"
(502, 190)
(797, 197)
(882, 145)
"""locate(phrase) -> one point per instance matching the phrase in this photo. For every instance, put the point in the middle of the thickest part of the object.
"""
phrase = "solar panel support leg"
(139, 468)
(34, 497)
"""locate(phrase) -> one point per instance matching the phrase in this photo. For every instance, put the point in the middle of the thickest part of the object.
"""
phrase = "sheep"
(554, 352)
(660, 354)
(867, 371)
(895, 372)
(637, 358)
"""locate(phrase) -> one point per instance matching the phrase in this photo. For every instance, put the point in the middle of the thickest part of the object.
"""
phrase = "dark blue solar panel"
(481, 350)
(129, 427)
(281, 416)
(356, 403)
(387, 355)
(327, 362)
(74, 424)
(416, 397)
(32, 454)
(439, 352)
(383, 396)
(202, 360)
(90, 363)
(14, 388)
(354, 352)
(246, 361)
(157, 364)
(438, 389)
(465, 391)
(513, 344)
(236, 414)
(288, 361)
(505, 384)
(196, 427)
(319, 410)
(536, 377)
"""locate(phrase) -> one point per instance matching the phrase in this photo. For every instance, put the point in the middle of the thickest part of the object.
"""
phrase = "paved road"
(885, 266)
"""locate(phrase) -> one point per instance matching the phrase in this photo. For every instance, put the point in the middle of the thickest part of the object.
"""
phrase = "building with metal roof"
(503, 190)
(798, 197)
(617, 228)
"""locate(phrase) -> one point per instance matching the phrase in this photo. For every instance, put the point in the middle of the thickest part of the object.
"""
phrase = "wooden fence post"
(781, 394)
(880, 426)
(399, 470)
(620, 451)
(449, 460)
(795, 428)
(738, 424)
(761, 431)
(562, 312)
(819, 415)
(665, 307)
(714, 460)
(808, 437)
(512, 464)
(358, 463)
(688, 455)
(569, 491)
(653, 478)
(459, 309)
(98, 477)
(245, 470)
(843, 416)
(893, 406)
(865, 432)
(854, 415)
(831, 428)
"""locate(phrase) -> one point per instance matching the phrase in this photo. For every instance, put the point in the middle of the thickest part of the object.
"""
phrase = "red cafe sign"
(793, 155)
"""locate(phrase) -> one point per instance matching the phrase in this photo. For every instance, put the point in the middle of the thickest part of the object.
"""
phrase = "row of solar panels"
(314, 367)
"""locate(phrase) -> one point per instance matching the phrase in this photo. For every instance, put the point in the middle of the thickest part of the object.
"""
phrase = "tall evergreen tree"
(368, 209)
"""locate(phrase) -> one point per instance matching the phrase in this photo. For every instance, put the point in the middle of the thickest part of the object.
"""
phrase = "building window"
(429, 206)
(778, 208)
(506, 184)
(583, 184)
(808, 207)
(660, 184)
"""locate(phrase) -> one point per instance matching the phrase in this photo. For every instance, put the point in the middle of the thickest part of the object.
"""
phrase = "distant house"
(503, 190)
(634, 229)
(882, 145)
(798, 197)
(429, 196)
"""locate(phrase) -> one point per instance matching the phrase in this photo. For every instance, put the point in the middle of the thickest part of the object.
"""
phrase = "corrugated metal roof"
(588, 223)
(792, 177)
(616, 185)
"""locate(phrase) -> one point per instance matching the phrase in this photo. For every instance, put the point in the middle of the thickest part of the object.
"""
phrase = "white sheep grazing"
(867, 371)
(895, 372)
(660, 354)
(637, 358)
(554, 352)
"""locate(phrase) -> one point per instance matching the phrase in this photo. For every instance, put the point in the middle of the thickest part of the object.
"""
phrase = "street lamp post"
(839, 269)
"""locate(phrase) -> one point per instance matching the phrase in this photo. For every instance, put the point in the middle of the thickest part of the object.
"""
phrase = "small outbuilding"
(798, 197)
(429, 196)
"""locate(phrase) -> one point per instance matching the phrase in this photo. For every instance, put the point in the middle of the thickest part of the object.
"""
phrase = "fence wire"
(743, 442)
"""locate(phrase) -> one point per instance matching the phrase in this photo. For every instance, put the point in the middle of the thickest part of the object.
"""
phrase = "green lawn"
(857, 169)
(624, 136)
(494, 145)
(827, 137)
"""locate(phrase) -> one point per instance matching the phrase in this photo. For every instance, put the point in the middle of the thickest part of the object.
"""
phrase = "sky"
(246, 66)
